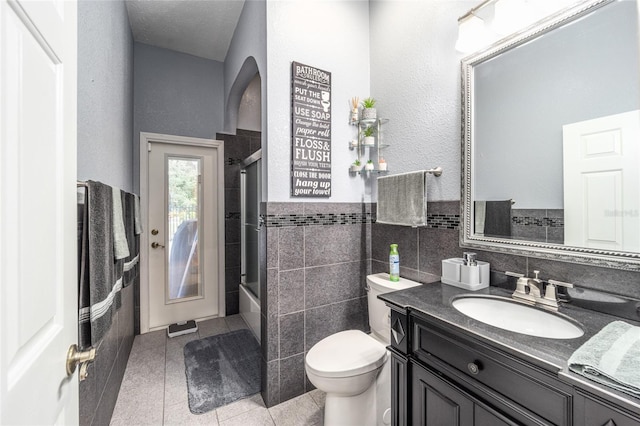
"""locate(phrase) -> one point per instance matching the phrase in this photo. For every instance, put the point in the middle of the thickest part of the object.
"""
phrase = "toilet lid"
(344, 354)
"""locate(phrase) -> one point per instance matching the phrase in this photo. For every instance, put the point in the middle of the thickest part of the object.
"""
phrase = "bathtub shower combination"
(250, 198)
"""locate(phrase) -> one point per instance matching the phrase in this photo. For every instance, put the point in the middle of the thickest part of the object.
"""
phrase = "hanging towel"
(402, 199)
(130, 267)
(480, 210)
(120, 246)
(493, 218)
(611, 357)
(138, 216)
(97, 280)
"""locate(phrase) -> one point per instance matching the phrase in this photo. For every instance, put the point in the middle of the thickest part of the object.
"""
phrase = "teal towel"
(611, 357)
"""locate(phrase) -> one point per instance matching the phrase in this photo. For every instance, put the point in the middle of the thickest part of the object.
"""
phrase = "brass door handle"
(156, 245)
(75, 357)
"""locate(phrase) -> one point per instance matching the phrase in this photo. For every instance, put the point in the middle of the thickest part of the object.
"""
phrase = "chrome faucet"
(536, 286)
(535, 290)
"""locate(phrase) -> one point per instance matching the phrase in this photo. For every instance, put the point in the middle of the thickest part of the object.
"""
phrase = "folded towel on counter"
(611, 357)
(402, 199)
(120, 246)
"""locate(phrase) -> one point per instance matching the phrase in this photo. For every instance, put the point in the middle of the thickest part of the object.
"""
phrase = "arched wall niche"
(245, 76)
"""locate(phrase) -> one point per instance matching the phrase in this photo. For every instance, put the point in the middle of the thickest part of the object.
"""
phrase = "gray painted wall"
(105, 93)
(575, 73)
(105, 126)
(294, 34)
(249, 40)
(250, 111)
(175, 93)
(415, 76)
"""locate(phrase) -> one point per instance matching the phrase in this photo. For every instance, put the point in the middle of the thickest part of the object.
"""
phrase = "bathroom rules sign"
(310, 131)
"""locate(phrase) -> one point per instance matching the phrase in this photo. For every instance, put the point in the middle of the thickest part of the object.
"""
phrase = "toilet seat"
(344, 354)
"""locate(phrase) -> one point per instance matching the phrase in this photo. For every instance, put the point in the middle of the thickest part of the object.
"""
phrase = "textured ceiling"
(198, 27)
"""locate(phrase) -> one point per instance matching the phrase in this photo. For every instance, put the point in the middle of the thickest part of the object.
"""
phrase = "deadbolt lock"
(154, 232)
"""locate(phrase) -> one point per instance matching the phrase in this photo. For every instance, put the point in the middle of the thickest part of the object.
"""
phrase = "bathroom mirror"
(551, 139)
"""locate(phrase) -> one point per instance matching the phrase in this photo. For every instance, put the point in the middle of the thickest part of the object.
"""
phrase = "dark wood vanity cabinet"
(589, 410)
(450, 379)
(442, 376)
(438, 401)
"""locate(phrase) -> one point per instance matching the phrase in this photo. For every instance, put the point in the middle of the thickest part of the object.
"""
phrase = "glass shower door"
(250, 218)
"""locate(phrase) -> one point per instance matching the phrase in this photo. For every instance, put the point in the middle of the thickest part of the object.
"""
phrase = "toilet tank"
(379, 313)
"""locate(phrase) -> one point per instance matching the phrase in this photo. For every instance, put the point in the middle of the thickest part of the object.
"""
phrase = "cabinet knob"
(474, 367)
(609, 423)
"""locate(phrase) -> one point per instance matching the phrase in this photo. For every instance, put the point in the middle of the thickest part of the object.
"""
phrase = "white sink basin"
(514, 316)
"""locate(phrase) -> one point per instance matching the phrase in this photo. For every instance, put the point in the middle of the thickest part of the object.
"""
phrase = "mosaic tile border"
(278, 221)
(443, 221)
(440, 221)
(551, 222)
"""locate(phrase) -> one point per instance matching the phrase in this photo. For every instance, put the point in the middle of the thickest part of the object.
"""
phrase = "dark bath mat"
(221, 369)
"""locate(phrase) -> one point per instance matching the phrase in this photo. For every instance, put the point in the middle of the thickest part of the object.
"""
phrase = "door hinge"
(149, 146)
(199, 178)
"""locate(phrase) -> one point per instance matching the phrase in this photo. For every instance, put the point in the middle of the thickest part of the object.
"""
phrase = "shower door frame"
(252, 159)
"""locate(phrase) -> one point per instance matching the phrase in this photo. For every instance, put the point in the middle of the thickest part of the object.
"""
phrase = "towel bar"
(436, 172)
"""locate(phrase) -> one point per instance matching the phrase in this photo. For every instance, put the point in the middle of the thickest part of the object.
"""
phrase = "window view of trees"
(183, 191)
(184, 273)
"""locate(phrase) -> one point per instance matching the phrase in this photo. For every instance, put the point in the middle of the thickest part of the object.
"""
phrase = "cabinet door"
(590, 411)
(486, 417)
(437, 403)
(398, 390)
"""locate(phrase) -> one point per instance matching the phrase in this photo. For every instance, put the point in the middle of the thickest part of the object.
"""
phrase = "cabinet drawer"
(509, 377)
(588, 411)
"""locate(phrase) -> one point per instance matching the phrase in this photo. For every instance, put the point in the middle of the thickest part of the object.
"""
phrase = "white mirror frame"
(556, 252)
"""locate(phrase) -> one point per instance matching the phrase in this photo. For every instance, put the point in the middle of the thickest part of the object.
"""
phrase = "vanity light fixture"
(473, 34)
(492, 20)
(511, 15)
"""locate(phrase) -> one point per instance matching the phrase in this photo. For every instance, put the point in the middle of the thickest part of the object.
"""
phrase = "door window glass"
(184, 272)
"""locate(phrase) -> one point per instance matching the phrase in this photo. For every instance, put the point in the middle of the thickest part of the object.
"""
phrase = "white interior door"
(38, 247)
(601, 180)
(186, 274)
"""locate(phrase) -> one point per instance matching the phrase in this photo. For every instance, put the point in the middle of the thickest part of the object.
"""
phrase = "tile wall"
(541, 225)
(319, 254)
(236, 148)
(313, 278)
(422, 250)
(98, 393)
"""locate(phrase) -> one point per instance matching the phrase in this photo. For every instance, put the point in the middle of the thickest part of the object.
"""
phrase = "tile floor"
(154, 388)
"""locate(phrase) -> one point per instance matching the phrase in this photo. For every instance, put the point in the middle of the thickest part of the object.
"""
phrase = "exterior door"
(38, 247)
(184, 239)
(601, 177)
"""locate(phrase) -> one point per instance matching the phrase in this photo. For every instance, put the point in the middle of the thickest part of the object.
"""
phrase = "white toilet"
(353, 367)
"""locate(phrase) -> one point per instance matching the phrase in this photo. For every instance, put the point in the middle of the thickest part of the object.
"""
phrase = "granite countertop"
(434, 301)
